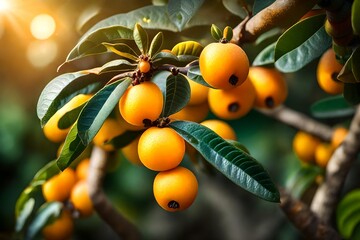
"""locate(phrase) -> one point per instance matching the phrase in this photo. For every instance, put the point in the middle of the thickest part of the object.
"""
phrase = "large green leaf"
(156, 44)
(91, 43)
(301, 44)
(181, 11)
(266, 56)
(122, 50)
(46, 213)
(63, 88)
(350, 73)
(187, 48)
(235, 7)
(260, 5)
(124, 139)
(69, 118)
(24, 214)
(234, 163)
(355, 16)
(99, 108)
(141, 38)
(352, 92)
(72, 148)
(332, 107)
(348, 213)
(195, 75)
(116, 65)
(170, 58)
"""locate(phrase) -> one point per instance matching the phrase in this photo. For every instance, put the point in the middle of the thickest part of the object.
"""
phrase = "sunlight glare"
(42, 26)
(4, 5)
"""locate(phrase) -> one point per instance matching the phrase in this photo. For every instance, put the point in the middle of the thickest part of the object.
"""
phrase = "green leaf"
(266, 56)
(72, 148)
(46, 213)
(141, 38)
(348, 213)
(187, 48)
(91, 42)
(170, 58)
(234, 163)
(69, 118)
(352, 92)
(332, 107)
(195, 75)
(273, 33)
(116, 66)
(302, 180)
(124, 139)
(63, 88)
(235, 7)
(216, 32)
(239, 145)
(260, 5)
(350, 73)
(156, 44)
(355, 16)
(122, 50)
(181, 11)
(176, 94)
(24, 214)
(301, 44)
(99, 108)
(228, 33)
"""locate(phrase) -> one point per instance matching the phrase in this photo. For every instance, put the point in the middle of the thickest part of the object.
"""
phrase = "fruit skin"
(110, 129)
(62, 228)
(140, 102)
(161, 149)
(323, 153)
(80, 199)
(82, 169)
(270, 87)
(232, 103)
(223, 65)
(130, 152)
(304, 146)
(327, 70)
(338, 136)
(194, 113)
(58, 188)
(175, 189)
(144, 66)
(222, 128)
(51, 129)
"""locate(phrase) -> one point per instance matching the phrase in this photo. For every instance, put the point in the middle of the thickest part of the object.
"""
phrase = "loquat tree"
(165, 107)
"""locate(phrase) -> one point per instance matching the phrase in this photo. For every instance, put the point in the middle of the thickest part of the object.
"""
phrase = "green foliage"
(347, 214)
(195, 75)
(122, 50)
(302, 180)
(350, 73)
(260, 5)
(235, 7)
(191, 48)
(141, 39)
(233, 162)
(228, 33)
(332, 107)
(181, 11)
(266, 56)
(355, 17)
(216, 32)
(156, 44)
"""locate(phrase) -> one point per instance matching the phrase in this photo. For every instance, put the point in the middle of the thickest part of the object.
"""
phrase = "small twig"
(122, 227)
(327, 195)
(305, 220)
(299, 121)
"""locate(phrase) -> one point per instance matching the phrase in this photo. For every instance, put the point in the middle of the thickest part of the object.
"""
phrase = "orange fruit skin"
(58, 188)
(223, 65)
(327, 69)
(82, 169)
(80, 198)
(130, 151)
(304, 146)
(161, 149)
(178, 185)
(338, 136)
(222, 128)
(140, 102)
(232, 103)
(110, 129)
(62, 228)
(144, 66)
(194, 113)
(323, 153)
(270, 87)
(51, 129)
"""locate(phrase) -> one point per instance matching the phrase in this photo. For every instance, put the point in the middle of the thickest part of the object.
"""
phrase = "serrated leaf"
(24, 214)
(195, 75)
(124, 139)
(187, 48)
(141, 38)
(48, 211)
(176, 92)
(63, 88)
(260, 5)
(355, 16)
(228, 33)
(347, 213)
(332, 107)
(72, 148)
(91, 42)
(181, 11)
(266, 56)
(99, 108)
(235, 7)
(156, 44)
(216, 32)
(352, 93)
(122, 50)
(234, 163)
(301, 44)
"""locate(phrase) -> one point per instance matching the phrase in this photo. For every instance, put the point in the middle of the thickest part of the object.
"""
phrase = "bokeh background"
(35, 38)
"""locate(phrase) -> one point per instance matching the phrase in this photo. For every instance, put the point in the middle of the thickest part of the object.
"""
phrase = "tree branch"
(282, 13)
(123, 228)
(326, 197)
(305, 220)
(299, 121)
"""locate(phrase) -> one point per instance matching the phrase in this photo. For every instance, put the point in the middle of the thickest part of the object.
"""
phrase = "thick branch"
(305, 220)
(299, 121)
(327, 195)
(123, 228)
(282, 13)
